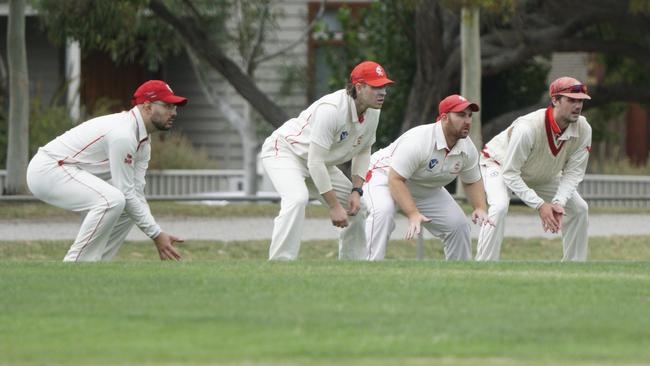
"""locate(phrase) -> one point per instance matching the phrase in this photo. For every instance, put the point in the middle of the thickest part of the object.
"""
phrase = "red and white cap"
(569, 87)
(371, 73)
(455, 103)
(153, 90)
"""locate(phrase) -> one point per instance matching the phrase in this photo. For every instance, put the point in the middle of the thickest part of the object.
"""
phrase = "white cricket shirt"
(332, 123)
(421, 155)
(115, 147)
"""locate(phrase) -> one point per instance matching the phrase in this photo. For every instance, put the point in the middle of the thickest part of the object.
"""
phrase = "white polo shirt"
(115, 147)
(421, 155)
(332, 123)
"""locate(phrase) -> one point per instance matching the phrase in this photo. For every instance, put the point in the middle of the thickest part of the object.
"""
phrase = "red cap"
(455, 103)
(153, 90)
(568, 87)
(371, 73)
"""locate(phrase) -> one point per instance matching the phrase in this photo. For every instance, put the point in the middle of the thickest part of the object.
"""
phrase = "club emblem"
(344, 135)
(128, 159)
(379, 71)
(432, 163)
(456, 168)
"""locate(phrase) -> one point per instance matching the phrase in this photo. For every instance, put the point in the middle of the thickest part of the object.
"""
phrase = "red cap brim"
(379, 82)
(175, 99)
(462, 106)
(575, 95)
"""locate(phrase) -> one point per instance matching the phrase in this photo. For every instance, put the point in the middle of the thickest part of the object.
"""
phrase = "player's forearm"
(476, 194)
(357, 181)
(360, 163)
(517, 185)
(330, 199)
(401, 194)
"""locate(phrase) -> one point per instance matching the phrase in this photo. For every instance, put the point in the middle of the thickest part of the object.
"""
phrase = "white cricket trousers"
(105, 225)
(448, 221)
(574, 224)
(290, 177)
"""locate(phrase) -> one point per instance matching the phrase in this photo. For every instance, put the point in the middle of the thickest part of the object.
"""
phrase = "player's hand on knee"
(165, 245)
(480, 217)
(549, 220)
(415, 225)
(339, 217)
(354, 204)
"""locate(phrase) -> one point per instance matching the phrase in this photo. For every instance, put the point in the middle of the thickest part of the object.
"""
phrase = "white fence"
(598, 190)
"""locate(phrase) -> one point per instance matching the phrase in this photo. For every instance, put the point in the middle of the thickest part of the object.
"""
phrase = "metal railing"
(194, 185)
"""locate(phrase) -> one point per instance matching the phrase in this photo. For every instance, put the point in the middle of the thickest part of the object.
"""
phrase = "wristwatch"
(358, 190)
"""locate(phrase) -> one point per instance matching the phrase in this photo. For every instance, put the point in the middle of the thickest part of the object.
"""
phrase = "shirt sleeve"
(574, 169)
(407, 158)
(324, 132)
(127, 173)
(318, 169)
(361, 163)
(517, 153)
(471, 173)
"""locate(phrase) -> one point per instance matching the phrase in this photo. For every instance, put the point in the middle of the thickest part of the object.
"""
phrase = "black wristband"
(358, 190)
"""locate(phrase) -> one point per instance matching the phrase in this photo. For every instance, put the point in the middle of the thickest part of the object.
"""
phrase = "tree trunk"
(470, 79)
(432, 81)
(471, 66)
(18, 137)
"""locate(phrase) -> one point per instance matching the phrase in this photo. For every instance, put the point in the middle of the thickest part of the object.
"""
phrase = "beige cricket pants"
(574, 224)
(290, 177)
(105, 225)
(448, 222)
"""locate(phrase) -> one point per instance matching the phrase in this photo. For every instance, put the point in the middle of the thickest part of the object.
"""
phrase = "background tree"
(517, 40)
(18, 135)
(148, 31)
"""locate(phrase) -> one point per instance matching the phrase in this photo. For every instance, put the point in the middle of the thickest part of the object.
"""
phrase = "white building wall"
(203, 123)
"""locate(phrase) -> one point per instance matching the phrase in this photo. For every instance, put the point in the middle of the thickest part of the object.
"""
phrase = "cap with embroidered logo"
(371, 73)
(153, 90)
(455, 103)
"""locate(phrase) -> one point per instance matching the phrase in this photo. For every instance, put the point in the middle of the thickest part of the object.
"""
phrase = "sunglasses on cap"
(580, 88)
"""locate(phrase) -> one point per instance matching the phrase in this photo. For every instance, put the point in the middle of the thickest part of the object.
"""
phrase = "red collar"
(552, 130)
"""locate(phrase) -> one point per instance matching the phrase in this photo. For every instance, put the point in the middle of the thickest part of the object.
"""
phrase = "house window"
(327, 40)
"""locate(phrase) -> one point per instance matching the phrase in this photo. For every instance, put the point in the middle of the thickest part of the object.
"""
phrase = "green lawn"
(39, 210)
(252, 312)
(226, 305)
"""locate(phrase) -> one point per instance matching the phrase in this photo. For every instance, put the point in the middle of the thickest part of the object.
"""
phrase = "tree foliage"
(149, 30)
(515, 36)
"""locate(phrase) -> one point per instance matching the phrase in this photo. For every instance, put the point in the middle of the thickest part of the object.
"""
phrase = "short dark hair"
(352, 91)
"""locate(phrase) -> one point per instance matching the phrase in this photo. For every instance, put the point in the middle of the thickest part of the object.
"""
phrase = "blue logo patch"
(433, 163)
(344, 135)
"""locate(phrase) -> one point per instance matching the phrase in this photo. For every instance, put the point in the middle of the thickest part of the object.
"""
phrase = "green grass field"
(226, 305)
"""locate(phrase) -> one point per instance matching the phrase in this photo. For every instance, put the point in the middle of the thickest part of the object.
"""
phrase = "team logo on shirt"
(128, 159)
(432, 163)
(344, 135)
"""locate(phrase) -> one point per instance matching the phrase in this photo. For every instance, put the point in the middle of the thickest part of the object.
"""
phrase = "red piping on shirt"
(487, 155)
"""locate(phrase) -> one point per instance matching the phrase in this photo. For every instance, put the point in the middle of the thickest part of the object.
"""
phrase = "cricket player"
(99, 166)
(541, 157)
(301, 157)
(412, 173)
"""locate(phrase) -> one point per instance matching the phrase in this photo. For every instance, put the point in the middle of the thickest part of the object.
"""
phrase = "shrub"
(175, 151)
